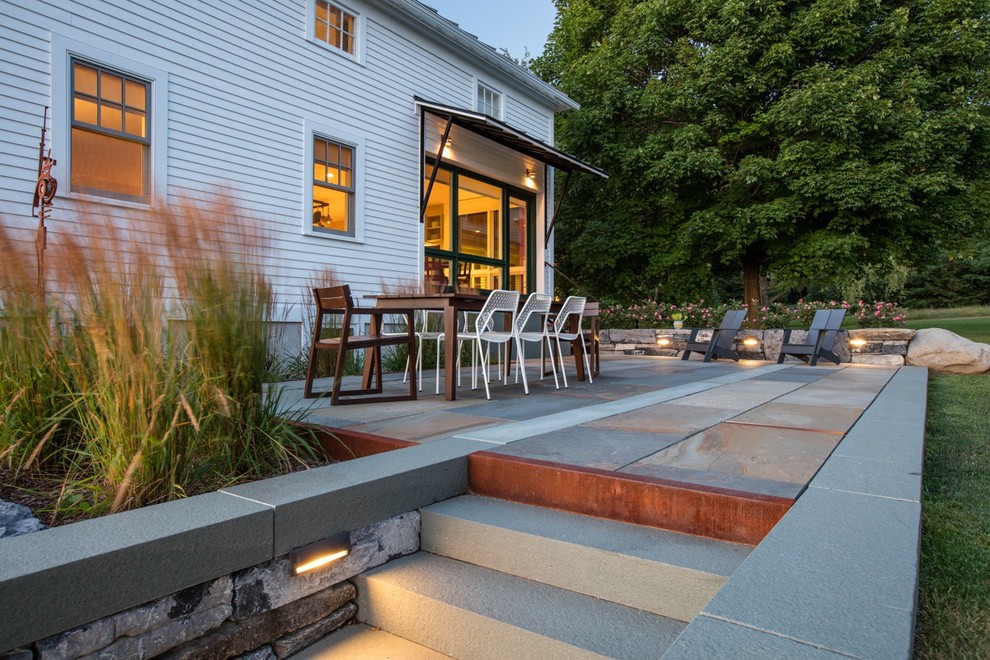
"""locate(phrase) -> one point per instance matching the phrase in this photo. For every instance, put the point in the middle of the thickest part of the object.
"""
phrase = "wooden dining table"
(452, 303)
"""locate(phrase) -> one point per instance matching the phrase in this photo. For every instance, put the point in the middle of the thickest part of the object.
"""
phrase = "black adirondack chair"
(820, 341)
(723, 336)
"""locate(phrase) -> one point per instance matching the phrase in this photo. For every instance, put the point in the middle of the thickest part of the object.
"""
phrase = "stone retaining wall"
(207, 576)
(884, 346)
(262, 611)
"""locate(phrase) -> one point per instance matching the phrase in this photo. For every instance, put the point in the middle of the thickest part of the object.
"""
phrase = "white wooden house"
(325, 117)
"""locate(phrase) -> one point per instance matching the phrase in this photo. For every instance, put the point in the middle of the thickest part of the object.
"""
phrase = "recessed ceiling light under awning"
(501, 133)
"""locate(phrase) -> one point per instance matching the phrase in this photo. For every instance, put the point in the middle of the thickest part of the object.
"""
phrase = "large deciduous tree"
(805, 139)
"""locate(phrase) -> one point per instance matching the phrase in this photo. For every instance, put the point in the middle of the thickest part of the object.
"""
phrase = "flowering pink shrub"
(879, 314)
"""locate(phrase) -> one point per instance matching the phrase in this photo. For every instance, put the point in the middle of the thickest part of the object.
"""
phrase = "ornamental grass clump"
(153, 351)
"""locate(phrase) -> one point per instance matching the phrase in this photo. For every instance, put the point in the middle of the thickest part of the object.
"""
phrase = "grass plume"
(139, 379)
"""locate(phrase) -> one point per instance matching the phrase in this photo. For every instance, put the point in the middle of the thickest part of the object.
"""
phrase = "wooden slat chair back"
(337, 301)
(723, 337)
(820, 341)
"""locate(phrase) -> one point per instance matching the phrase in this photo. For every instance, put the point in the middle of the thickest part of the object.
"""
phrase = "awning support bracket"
(556, 209)
(436, 168)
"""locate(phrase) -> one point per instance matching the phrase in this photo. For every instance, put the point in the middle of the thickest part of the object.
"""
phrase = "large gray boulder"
(947, 352)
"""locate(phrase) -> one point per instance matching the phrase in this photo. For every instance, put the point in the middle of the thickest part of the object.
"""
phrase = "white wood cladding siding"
(243, 79)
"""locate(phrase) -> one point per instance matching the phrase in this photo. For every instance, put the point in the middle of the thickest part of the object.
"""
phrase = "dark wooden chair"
(822, 333)
(722, 339)
(337, 301)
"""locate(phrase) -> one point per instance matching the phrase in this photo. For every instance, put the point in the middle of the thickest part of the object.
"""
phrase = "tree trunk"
(752, 295)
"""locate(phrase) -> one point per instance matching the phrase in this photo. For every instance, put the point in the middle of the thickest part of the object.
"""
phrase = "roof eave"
(447, 33)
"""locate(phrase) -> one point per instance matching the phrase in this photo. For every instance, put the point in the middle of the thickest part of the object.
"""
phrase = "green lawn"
(973, 328)
(954, 593)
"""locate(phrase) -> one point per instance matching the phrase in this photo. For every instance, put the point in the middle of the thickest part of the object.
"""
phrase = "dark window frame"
(101, 102)
(350, 191)
(455, 256)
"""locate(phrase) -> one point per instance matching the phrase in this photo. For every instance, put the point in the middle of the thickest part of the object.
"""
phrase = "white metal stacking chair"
(536, 304)
(429, 327)
(499, 301)
(573, 306)
(469, 326)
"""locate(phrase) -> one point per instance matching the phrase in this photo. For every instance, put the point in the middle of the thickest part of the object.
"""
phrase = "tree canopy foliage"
(805, 140)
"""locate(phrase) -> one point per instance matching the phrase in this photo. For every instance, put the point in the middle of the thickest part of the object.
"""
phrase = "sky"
(515, 25)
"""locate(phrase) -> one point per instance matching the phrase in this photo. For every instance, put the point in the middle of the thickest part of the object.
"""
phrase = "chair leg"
(560, 355)
(521, 363)
(552, 365)
(338, 373)
(484, 371)
(310, 375)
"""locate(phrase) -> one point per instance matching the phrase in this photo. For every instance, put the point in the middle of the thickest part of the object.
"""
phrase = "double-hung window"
(333, 186)
(489, 101)
(111, 144)
(336, 26)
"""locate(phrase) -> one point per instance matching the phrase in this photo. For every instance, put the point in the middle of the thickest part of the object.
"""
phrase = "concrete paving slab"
(590, 447)
(364, 642)
(815, 395)
(662, 572)
(899, 480)
(829, 419)
(838, 572)
(777, 454)
(530, 407)
(787, 376)
(713, 639)
(473, 612)
(740, 396)
(427, 425)
(666, 418)
(722, 480)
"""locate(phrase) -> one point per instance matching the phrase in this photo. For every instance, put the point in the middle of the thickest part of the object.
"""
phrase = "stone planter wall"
(207, 576)
(262, 611)
(884, 346)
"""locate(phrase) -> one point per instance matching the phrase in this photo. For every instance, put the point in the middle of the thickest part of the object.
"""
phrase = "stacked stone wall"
(883, 346)
(259, 612)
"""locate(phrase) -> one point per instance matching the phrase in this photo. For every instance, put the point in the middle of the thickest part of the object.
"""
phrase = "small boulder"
(16, 519)
(946, 352)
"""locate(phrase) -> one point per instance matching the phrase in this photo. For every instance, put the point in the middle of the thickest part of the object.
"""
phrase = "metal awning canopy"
(503, 134)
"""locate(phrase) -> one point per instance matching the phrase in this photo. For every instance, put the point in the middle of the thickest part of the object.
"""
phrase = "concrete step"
(363, 642)
(663, 572)
(468, 611)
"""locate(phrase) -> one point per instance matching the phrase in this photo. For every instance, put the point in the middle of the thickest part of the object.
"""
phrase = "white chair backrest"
(499, 300)
(573, 306)
(536, 303)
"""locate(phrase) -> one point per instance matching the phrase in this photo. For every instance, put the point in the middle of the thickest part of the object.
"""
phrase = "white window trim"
(313, 129)
(478, 83)
(359, 31)
(64, 49)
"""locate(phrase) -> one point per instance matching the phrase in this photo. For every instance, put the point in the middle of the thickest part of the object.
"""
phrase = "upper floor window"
(333, 186)
(336, 26)
(489, 101)
(111, 145)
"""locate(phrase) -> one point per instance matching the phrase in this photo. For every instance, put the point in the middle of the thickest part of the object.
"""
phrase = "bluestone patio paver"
(591, 447)
(777, 454)
(830, 419)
